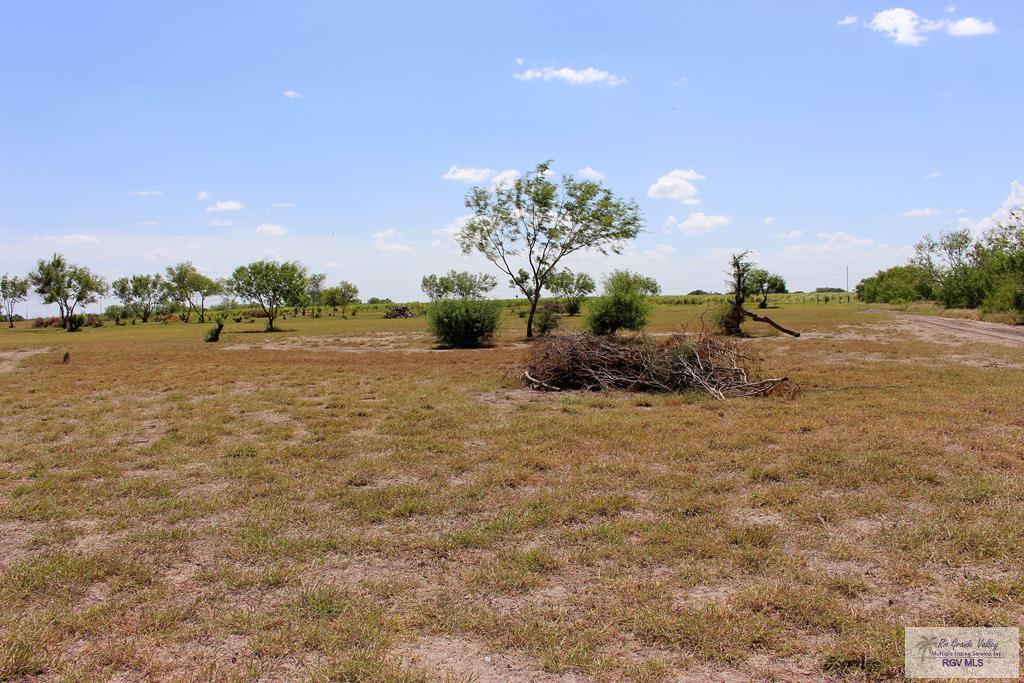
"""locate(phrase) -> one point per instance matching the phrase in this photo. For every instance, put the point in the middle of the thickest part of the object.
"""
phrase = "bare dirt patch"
(467, 660)
(9, 360)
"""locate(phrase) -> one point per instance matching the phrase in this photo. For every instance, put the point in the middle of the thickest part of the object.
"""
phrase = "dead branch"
(766, 319)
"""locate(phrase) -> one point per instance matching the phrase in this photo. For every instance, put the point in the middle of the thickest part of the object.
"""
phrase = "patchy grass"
(341, 501)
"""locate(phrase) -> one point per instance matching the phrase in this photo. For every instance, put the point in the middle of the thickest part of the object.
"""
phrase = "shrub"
(464, 323)
(625, 303)
(549, 317)
(213, 334)
(722, 318)
(75, 322)
(1008, 297)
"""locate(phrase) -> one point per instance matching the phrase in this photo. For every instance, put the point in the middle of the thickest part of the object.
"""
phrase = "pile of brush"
(676, 364)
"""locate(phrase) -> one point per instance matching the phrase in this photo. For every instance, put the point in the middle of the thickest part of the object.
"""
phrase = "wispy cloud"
(933, 174)
(469, 174)
(225, 205)
(676, 184)
(147, 224)
(590, 173)
(922, 213)
(769, 220)
(848, 20)
(697, 223)
(72, 240)
(149, 193)
(221, 223)
(283, 205)
(791, 235)
(384, 241)
(292, 95)
(587, 76)
(271, 229)
(202, 195)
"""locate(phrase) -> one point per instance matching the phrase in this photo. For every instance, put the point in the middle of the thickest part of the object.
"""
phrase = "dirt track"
(968, 330)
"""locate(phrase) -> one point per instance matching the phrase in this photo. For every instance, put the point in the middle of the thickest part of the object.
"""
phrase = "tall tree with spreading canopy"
(13, 290)
(528, 226)
(66, 284)
(315, 291)
(269, 284)
(190, 289)
(140, 294)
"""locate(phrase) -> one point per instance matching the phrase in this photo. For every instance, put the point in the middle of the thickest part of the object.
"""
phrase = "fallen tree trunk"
(766, 319)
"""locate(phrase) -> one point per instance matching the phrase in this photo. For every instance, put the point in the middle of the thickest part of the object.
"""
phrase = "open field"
(341, 501)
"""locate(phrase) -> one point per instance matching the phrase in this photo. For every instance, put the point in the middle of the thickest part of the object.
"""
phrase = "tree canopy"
(269, 284)
(526, 227)
(66, 284)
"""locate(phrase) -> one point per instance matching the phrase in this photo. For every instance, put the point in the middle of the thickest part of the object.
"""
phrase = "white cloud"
(676, 185)
(147, 224)
(969, 26)
(769, 220)
(202, 196)
(221, 223)
(904, 26)
(504, 177)
(447, 235)
(791, 235)
(271, 229)
(468, 174)
(590, 173)
(383, 240)
(848, 20)
(72, 240)
(149, 193)
(520, 61)
(1013, 200)
(283, 205)
(225, 205)
(922, 213)
(292, 95)
(587, 76)
(697, 223)
(933, 174)
(661, 252)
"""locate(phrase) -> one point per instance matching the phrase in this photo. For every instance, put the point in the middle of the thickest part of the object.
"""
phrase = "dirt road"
(967, 330)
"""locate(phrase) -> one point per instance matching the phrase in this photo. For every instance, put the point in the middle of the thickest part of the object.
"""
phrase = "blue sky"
(818, 134)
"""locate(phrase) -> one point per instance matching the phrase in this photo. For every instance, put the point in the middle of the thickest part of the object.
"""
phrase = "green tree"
(625, 303)
(764, 283)
(344, 295)
(140, 293)
(574, 288)
(190, 289)
(461, 285)
(66, 284)
(315, 291)
(13, 290)
(525, 228)
(269, 284)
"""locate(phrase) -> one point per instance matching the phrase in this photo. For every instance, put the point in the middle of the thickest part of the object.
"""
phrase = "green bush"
(464, 323)
(625, 304)
(75, 322)
(1008, 297)
(549, 317)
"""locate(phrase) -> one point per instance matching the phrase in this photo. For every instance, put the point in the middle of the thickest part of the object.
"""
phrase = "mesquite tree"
(269, 284)
(528, 226)
(67, 285)
(742, 283)
(13, 290)
(141, 294)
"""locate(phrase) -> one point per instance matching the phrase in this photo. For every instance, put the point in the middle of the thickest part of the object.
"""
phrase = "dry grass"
(177, 510)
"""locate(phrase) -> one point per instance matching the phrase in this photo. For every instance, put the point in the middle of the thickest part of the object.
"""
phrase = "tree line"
(959, 270)
(181, 288)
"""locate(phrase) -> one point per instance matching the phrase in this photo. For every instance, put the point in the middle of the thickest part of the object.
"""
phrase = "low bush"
(549, 317)
(75, 322)
(625, 304)
(464, 323)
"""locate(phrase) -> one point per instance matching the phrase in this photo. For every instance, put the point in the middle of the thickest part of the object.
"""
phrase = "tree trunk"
(529, 321)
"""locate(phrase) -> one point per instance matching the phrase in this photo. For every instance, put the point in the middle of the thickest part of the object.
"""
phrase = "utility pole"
(847, 284)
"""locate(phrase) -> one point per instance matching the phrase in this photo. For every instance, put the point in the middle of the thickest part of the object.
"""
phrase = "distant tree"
(348, 295)
(190, 289)
(269, 284)
(625, 303)
(67, 285)
(13, 290)
(315, 291)
(741, 284)
(828, 290)
(574, 288)
(698, 292)
(377, 300)
(764, 283)
(953, 266)
(460, 285)
(140, 294)
(538, 223)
